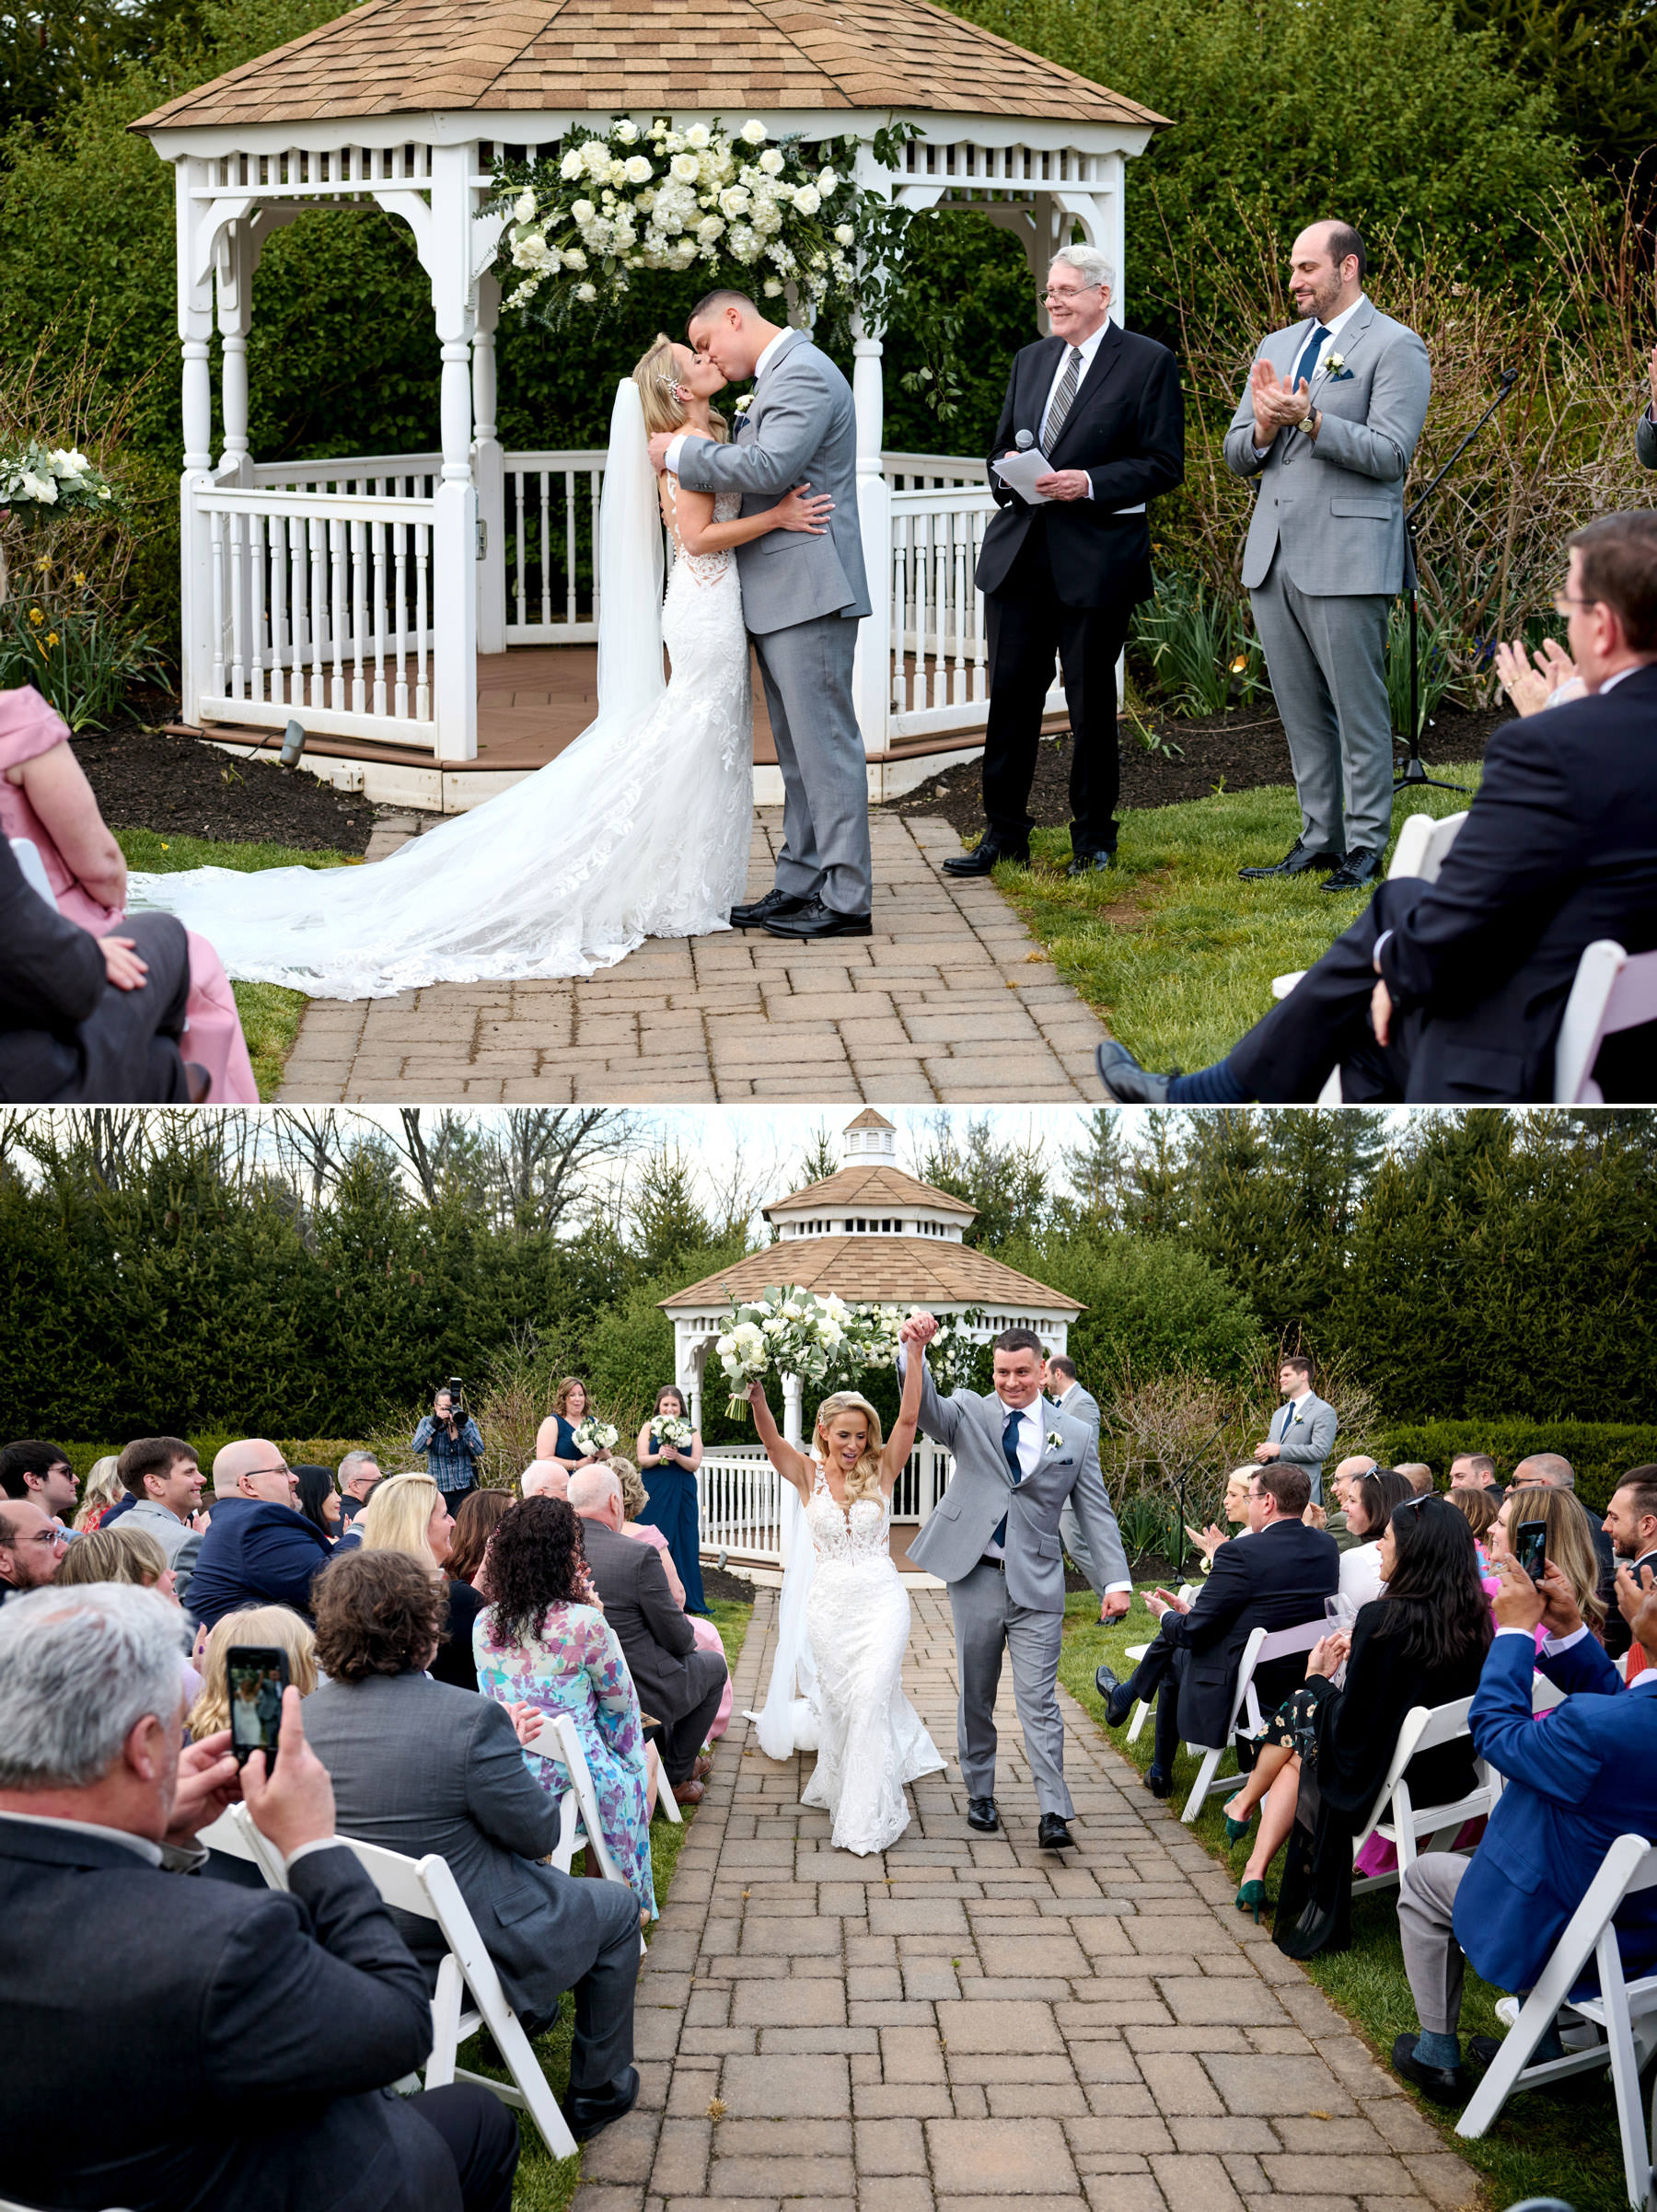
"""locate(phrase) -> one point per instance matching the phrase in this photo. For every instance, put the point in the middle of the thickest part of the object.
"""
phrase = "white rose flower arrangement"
(37, 478)
(594, 1435)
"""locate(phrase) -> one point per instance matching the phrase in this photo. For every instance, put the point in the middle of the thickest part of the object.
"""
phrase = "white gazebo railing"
(550, 510)
(744, 1512)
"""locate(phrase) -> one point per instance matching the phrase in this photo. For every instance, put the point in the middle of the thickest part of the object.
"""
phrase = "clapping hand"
(1277, 402)
(1530, 681)
(1209, 1540)
(1164, 1601)
(527, 1719)
(1329, 1655)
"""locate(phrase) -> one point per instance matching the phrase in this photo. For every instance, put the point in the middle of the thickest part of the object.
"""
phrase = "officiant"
(1062, 572)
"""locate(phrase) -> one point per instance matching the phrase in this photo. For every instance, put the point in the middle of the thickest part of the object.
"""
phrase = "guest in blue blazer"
(258, 1550)
(1577, 1779)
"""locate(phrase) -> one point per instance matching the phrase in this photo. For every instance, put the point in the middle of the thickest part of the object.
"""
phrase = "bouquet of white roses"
(594, 1435)
(38, 479)
(792, 1330)
(674, 1430)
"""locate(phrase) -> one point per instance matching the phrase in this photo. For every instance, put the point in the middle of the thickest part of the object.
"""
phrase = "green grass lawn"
(1560, 2142)
(1174, 952)
(270, 1015)
(545, 2184)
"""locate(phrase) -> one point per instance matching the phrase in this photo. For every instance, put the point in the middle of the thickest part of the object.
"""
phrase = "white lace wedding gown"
(870, 1738)
(639, 829)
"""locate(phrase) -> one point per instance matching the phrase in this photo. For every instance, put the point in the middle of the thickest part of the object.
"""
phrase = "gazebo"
(869, 1232)
(385, 602)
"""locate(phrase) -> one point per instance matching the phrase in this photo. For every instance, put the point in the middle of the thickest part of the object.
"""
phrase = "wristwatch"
(1309, 423)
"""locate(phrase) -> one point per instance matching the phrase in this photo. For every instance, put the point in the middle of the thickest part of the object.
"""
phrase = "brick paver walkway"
(950, 998)
(970, 2017)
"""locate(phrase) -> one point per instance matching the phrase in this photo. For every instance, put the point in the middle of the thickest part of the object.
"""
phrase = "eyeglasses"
(50, 1536)
(253, 1473)
(1067, 292)
(1563, 603)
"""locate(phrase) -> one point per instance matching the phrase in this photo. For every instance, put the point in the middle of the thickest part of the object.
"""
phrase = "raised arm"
(901, 1442)
(793, 1466)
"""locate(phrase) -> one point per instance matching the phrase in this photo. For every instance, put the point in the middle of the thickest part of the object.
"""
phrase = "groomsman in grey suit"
(1303, 1430)
(802, 602)
(993, 1537)
(1066, 1394)
(1327, 424)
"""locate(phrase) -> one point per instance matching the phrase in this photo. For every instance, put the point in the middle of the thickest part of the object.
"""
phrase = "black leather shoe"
(1443, 2084)
(759, 912)
(1124, 1079)
(1297, 860)
(1090, 863)
(587, 2115)
(982, 1814)
(1357, 872)
(815, 920)
(1053, 1835)
(1158, 1783)
(983, 858)
(1119, 1700)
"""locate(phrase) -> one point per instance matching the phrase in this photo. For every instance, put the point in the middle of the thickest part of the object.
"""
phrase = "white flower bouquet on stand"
(593, 1435)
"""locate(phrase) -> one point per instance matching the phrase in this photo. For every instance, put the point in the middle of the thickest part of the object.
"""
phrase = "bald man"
(1359, 1463)
(258, 1549)
(545, 1478)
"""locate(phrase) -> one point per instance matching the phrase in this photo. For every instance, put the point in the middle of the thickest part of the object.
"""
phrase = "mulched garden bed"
(145, 780)
(729, 1587)
(1238, 750)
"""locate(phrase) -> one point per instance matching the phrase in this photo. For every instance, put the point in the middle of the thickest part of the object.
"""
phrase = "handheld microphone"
(1024, 441)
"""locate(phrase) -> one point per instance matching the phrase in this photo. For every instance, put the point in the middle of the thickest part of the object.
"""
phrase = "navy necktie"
(1010, 1447)
(1306, 366)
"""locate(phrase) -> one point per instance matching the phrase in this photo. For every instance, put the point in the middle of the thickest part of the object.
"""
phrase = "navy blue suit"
(1577, 1779)
(256, 1554)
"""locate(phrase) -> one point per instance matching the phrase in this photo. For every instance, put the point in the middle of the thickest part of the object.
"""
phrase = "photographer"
(453, 1445)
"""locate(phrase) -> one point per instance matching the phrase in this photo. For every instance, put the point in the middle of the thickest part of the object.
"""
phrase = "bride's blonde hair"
(865, 1478)
(657, 377)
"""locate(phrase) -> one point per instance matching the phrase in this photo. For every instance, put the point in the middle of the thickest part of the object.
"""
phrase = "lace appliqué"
(701, 568)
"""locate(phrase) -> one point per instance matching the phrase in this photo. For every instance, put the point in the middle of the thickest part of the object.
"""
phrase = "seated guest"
(636, 1504)
(409, 1513)
(1479, 1508)
(1371, 1499)
(1631, 1524)
(1576, 1779)
(1234, 1508)
(1554, 1469)
(480, 1516)
(101, 1490)
(1345, 1538)
(1418, 1476)
(243, 2042)
(1327, 1750)
(359, 1471)
(541, 1643)
(670, 1503)
(678, 1684)
(259, 1549)
(44, 796)
(1475, 1471)
(545, 1478)
(89, 1021)
(420, 1766)
(319, 1501)
(1454, 991)
(1279, 1580)
(40, 1472)
(1570, 1543)
(555, 1438)
(163, 1483)
(123, 1553)
(32, 1546)
(209, 1714)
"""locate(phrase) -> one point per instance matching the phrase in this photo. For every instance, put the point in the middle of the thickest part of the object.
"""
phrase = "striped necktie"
(1061, 399)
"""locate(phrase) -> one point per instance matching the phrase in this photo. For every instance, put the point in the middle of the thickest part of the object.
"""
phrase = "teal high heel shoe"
(1235, 1830)
(1250, 1898)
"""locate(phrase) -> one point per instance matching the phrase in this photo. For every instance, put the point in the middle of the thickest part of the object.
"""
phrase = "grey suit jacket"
(1083, 1406)
(669, 1673)
(800, 429)
(1645, 439)
(419, 1766)
(1311, 1438)
(179, 1541)
(1335, 504)
(980, 1491)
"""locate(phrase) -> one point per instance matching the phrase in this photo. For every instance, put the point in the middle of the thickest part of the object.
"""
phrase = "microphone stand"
(1414, 775)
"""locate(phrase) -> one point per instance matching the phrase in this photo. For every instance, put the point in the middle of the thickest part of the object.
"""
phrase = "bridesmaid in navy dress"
(555, 1438)
(670, 1471)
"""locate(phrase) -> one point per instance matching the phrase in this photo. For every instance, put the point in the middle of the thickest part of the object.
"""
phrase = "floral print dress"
(575, 1666)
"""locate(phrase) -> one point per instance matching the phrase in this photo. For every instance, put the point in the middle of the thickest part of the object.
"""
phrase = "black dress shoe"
(1119, 1700)
(587, 2115)
(813, 919)
(1158, 1783)
(1053, 1835)
(759, 912)
(1360, 868)
(1443, 2084)
(983, 859)
(1297, 860)
(982, 1814)
(1089, 863)
(1124, 1079)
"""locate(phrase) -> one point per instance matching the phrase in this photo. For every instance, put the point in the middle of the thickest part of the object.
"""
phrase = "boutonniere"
(1054, 1439)
(1337, 370)
(743, 404)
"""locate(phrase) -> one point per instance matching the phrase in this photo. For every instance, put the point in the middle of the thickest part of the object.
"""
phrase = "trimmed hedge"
(1601, 1452)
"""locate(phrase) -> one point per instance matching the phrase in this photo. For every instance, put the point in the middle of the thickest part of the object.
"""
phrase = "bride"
(639, 829)
(868, 1737)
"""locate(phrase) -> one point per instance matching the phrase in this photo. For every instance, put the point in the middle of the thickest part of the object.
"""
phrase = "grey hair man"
(801, 599)
(547, 1478)
(1418, 1474)
(1326, 428)
(1346, 1539)
(359, 1471)
(1062, 569)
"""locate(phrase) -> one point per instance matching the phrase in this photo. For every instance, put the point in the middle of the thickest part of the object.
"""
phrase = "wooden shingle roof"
(873, 1184)
(900, 1271)
(394, 57)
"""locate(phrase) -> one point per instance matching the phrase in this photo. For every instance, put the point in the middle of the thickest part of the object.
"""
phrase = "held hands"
(919, 1328)
(209, 1779)
(122, 964)
(293, 1804)
(795, 511)
(1277, 404)
(1266, 1451)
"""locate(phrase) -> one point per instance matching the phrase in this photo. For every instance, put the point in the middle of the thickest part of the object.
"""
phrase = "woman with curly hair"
(542, 1641)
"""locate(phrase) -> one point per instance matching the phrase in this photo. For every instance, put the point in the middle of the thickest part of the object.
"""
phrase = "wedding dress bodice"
(700, 568)
(853, 1537)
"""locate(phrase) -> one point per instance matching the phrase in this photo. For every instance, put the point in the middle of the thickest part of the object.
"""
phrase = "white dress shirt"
(760, 366)
(1336, 324)
(1281, 1425)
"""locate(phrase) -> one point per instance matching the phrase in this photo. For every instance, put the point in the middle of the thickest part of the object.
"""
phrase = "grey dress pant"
(987, 1623)
(1326, 658)
(806, 671)
(1432, 1957)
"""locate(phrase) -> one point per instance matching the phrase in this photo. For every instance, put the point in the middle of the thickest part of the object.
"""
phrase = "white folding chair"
(234, 1835)
(1260, 1650)
(425, 1888)
(1397, 1819)
(1624, 2012)
(579, 1826)
(1141, 1710)
(27, 854)
(1614, 990)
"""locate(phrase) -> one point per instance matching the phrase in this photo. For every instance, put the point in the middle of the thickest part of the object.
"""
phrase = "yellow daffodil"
(51, 637)
(79, 576)
(1241, 662)
(44, 563)
(36, 617)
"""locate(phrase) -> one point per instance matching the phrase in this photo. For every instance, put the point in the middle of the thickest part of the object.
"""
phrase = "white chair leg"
(446, 2024)
(1136, 1727)
(525, 2069)
(1202, 1785)
(666, 1798)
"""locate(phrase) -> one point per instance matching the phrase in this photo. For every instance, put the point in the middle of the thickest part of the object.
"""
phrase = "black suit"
(1277, 1578)
(240, 2043)
(1063, 578)
(67, 1035)
(678, 1684)
(1560, 848)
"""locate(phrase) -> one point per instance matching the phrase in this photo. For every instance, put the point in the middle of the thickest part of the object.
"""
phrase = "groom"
(803, 597)
(993, 1537)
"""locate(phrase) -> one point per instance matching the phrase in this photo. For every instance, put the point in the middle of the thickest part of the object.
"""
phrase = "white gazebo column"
(233, 273)
(454, 604)
(872, 677)
(489, 473)
(195, 329)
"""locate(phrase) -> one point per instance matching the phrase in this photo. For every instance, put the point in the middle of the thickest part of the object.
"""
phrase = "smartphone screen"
(256, 1675)
(1530, 1547)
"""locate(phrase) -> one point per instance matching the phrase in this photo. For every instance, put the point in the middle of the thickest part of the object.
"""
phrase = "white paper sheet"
(1018, 471)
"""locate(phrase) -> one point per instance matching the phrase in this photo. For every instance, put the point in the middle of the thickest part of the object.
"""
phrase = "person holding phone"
(1537, 1526)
